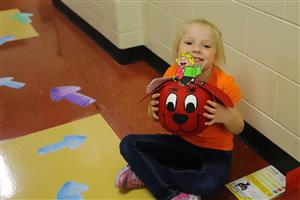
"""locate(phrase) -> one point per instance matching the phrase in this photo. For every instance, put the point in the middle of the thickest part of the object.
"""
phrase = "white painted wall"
(261, 41)
(118, 21)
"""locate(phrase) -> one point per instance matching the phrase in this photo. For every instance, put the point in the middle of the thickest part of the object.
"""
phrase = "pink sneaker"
(184, 196)
(127, 179)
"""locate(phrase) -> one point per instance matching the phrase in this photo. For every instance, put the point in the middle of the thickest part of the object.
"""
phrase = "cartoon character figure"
(243, 186)
(183, 60)
(181, 107)
(187, 70)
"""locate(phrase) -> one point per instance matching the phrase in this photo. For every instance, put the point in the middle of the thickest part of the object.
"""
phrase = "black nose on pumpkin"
(180, 119)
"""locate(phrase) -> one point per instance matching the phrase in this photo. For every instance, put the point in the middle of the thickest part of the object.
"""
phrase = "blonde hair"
(188, 56)
(220, 55)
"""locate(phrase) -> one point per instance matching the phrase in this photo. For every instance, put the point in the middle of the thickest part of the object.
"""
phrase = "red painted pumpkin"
(181, 107)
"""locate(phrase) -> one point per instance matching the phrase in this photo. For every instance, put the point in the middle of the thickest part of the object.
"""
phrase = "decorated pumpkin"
(181, 107)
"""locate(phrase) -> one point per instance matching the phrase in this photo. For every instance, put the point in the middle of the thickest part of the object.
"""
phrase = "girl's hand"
(229, 117)
(153, 106)
(216, 113)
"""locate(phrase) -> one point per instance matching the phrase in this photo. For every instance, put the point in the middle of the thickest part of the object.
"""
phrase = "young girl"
(187, 166)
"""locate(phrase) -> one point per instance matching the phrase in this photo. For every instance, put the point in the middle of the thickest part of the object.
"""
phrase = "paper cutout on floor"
(266, 183)
(16, 24)
(5, 39)
(8, 82)
(25, 174)
(24, 18)
(70, 141)
(70, 93)
(71, 191)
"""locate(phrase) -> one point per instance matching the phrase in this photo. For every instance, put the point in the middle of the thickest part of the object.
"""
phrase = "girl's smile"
(199, 40)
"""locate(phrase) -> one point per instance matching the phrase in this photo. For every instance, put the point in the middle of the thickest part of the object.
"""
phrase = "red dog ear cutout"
(219, 94)
(154, 86)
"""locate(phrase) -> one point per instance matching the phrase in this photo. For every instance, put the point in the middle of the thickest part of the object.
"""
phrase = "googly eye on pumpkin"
(171, 102)
(190, 103)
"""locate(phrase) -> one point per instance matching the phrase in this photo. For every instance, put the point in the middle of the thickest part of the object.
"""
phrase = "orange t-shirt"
(215, 136)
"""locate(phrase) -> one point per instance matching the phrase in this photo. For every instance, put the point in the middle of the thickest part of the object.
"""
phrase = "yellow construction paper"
(13, 27)
(25, 174)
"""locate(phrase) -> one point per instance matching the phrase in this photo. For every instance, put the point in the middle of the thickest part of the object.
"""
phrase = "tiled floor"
(64, 55)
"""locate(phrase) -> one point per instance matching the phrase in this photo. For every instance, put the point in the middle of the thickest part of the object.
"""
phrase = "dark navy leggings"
(169, 165)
